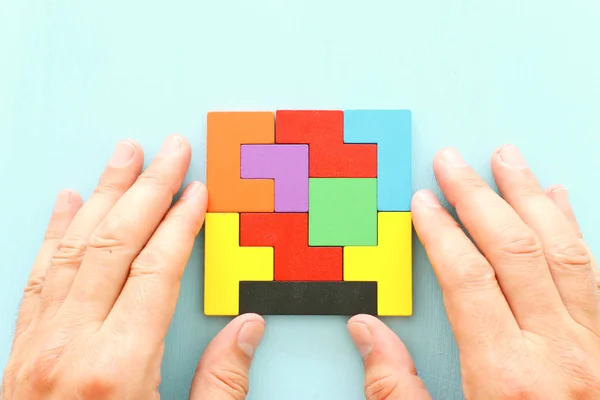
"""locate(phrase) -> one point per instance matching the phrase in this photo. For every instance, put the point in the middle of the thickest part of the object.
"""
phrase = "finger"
(222, 373)
(120, 172)
(477, 310)
(148, 299)
(125, 230)
(559, 195)
(68, 202)
(390, 373)
(568, 260)
(511, 247)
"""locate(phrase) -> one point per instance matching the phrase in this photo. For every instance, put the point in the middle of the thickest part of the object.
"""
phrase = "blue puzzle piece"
(391, 130)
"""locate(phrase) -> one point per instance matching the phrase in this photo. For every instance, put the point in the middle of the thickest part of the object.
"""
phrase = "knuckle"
(10, 372)
(53, 234)
(154, 177)
(516, 383)
(584, 385)
(69, 252)
(516, 376)
(99, 384)
(150, 262)
(531, 189)
(42, 371)
(177, 218)
(470, 273)
(38, 378)
(185, 223)
(110, 235)
(578, 232)
(520, 244)
(112, 185)
(35, 284)
(231, 381)
(516, 387)
(380, 387)
(160, 181)
(584, 375)
(107, 188)
(569, 254)
(474, 183)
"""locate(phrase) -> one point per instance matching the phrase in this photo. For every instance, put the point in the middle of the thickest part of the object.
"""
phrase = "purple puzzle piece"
(287, 165)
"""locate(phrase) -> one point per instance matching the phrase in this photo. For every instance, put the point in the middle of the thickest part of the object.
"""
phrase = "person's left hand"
(520, 286)
(104, 286)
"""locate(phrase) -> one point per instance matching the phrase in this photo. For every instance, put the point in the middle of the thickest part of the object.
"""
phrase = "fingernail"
(453, 157)
(250, 336)
(171, 145)
(190, 190)
(428, 198)
(122, 154)
(63, 199)
(557, 188)
(512, 156)
(362, 338)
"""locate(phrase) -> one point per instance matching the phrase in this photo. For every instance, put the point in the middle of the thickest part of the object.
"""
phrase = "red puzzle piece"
(329, 156)
(288, 234)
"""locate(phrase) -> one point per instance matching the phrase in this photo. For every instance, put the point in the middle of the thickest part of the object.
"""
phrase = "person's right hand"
(522, 297)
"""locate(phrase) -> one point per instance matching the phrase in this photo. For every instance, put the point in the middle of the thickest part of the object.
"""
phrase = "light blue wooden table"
(76, 76)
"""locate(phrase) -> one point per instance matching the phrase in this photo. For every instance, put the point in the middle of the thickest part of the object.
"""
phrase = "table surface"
(75, 77)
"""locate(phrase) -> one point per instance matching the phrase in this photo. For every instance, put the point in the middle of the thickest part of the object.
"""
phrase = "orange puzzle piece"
(329, 156)
(226, 132)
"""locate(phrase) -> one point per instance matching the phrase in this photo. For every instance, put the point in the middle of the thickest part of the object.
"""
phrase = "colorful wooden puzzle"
(309, 213)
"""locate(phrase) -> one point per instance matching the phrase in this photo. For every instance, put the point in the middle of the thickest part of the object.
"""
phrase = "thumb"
(390, 373)
(222, 373)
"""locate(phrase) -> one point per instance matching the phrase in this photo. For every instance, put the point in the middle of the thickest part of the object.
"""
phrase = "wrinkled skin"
(522, 293)
(104, 287)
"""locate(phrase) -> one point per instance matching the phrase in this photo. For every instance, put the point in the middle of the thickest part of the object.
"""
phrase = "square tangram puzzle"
(309, 213)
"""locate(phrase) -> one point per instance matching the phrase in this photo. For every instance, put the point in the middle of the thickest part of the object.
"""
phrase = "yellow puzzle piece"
(389, 263)
(226, 264)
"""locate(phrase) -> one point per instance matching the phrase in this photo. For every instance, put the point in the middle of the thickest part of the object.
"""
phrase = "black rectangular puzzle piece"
(308, 297)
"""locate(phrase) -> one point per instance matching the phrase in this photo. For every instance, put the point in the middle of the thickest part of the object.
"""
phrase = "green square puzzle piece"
(342, 212)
